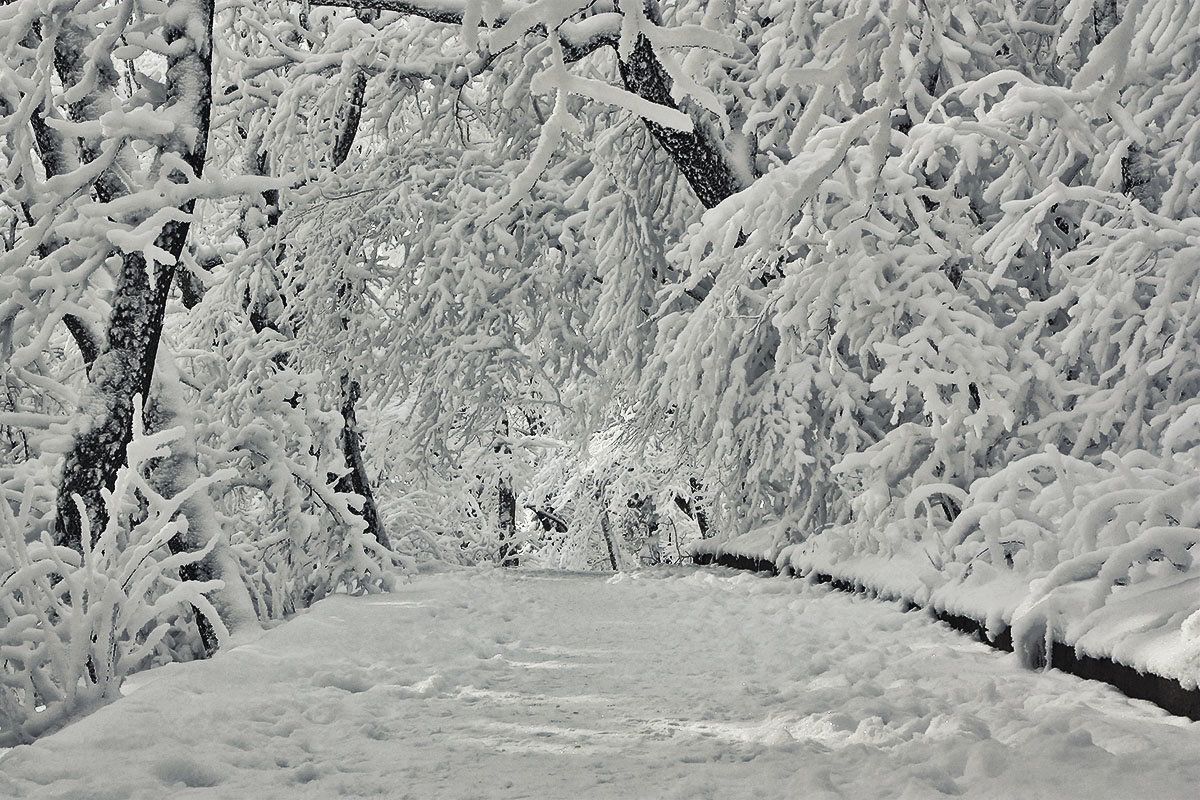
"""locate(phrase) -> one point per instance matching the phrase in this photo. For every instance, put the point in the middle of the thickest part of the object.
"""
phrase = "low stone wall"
(1167, 693)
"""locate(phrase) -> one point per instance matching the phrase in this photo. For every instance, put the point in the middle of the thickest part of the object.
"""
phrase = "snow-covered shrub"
(297, 537)
(73, 626)
(1081, 533)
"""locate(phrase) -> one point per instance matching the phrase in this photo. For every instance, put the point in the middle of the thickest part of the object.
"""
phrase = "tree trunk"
(126, 366)
(606, 530)
(699, 157)
(355, 481)
(506, 513)
(698, 513)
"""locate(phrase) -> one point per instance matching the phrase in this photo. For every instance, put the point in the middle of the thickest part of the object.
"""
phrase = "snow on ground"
(673, 684)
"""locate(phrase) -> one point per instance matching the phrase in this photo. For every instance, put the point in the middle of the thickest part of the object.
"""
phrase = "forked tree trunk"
(126, 365)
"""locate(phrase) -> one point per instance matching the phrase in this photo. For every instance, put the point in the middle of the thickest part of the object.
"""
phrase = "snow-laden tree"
(962, 292)
(627, 494)
(438, 266)
(353, 204)
(883, 278)
(106, 113)
(102, 177)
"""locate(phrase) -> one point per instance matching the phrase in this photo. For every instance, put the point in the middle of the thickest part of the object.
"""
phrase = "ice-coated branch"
(56, 159)
(701, 159)
(449, 12)
(579, 39)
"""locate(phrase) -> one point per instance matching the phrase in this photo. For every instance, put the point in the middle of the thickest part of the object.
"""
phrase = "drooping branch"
(450, 13)
(699, 157)
(355, 480)
(549, 520)
(578, 39)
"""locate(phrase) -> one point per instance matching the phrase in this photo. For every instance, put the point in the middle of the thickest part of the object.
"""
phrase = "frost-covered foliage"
(73, 625)
(569, 485)
(445, 506)
(901, 277)
(114, 556)
(627, 495)
(962, 312)
(453, 270)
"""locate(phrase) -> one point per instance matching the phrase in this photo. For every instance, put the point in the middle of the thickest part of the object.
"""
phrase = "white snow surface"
(672, 684)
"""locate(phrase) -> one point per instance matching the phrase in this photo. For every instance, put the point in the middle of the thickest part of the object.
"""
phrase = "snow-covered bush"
(73, 626)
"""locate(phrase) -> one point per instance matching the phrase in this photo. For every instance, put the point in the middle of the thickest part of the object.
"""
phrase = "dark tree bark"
(606, 531)
(699, 157)
(126, 365)
(355, 480)
(698, 512)
(506, 500)
(358, 481)
(354, 107)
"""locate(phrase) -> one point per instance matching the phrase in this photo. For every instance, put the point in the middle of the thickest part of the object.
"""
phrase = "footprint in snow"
(188, 771)
(354, 681)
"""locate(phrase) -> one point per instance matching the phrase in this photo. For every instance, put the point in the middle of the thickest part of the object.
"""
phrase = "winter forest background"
(297, 295)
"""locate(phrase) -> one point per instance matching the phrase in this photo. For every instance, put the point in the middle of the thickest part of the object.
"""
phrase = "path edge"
(1167, 693)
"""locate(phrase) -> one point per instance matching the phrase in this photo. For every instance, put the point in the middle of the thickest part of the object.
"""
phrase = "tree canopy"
(293, 294)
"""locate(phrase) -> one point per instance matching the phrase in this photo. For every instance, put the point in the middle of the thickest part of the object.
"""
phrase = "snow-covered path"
(679, 685)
